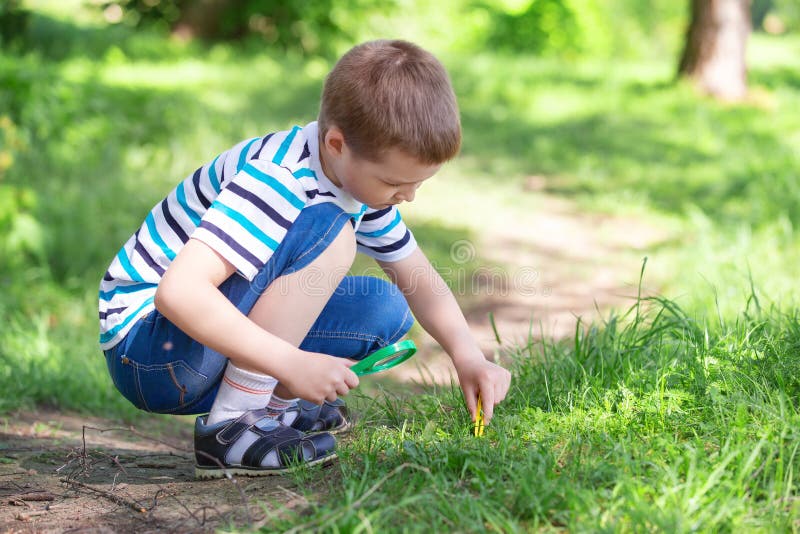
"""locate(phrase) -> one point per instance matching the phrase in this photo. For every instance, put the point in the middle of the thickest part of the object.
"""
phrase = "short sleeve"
(383, 235)
(251, 215)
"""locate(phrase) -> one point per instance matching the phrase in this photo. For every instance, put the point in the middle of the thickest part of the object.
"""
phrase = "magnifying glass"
(385, 358)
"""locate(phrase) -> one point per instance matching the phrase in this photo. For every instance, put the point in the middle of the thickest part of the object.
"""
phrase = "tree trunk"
(203, 18)
(714, 56)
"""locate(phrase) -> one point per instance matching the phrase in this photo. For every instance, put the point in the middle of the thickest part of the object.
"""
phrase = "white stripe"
(130, 300)
(180, 215)
(295, 149)
(247, 269)
(268, 194)
(150, 245)
(165, 230)
(191, 197)
(241, 236)
(395, 255)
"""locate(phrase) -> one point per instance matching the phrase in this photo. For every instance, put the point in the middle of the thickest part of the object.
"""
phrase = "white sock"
(239, 392)
(277, 406)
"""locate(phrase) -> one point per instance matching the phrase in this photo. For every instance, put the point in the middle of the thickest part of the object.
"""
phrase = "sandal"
(256, 445)
(309, 417)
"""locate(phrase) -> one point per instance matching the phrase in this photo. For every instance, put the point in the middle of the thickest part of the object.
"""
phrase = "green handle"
(385, 358)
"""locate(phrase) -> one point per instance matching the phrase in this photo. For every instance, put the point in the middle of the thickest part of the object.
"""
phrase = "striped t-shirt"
(241, 204)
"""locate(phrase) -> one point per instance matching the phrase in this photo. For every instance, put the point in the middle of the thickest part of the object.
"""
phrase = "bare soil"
(68, 473)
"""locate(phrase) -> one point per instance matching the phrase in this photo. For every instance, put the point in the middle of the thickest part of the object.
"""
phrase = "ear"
(334, 141)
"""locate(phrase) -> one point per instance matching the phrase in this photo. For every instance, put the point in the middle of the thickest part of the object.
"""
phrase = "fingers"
(501, 388)
(487, 403)
(496, 392)
(493, 384)
(344, 383)
(471, 398)
(328, 378)
(351, 379)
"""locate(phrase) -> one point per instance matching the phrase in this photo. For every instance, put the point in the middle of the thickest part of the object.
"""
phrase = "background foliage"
(679, 417)
(678, 414)
(90, 108)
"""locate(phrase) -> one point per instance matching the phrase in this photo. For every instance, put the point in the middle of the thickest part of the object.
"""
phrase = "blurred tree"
(759, 9)
(13, 20)
(714, 54)
(540, 26)
(311, 26)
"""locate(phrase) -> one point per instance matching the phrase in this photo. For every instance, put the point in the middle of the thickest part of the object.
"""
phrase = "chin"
(377, 206)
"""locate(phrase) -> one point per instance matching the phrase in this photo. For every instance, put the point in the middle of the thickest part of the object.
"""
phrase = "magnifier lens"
(385, 358)
(389, 360)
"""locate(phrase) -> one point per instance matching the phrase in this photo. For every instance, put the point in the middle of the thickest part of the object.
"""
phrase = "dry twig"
(136, 507)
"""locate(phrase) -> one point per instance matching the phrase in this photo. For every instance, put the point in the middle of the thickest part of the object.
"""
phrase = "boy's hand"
(320, 377)
(480, 375)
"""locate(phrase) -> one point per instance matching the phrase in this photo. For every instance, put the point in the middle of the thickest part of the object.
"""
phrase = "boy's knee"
(391, 309)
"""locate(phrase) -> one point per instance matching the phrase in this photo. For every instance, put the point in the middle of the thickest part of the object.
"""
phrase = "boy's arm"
(435, 307)
(188, 295)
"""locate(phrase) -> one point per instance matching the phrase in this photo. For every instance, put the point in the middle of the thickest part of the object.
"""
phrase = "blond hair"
(392, 94)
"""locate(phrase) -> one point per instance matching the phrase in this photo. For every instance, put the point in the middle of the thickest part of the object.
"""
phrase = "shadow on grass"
(776, 78)
(662, 144)
(58, 40)
(100, 156)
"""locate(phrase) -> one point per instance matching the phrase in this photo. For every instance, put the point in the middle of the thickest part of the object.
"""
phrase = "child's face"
(393, 180)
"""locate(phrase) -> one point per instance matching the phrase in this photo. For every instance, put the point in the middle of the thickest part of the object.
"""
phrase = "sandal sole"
(210, 473)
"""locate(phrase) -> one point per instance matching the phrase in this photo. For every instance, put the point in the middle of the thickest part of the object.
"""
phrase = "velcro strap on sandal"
(284, 441)
(236, 427)
(307, 415)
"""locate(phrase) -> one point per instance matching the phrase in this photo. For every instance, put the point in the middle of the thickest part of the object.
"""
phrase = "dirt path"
(544, 268)
(63, 473)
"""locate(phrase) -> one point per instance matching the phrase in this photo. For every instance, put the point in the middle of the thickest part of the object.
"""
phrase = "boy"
(232, 296)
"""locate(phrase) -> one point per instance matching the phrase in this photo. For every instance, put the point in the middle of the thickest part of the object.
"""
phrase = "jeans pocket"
(167, 388)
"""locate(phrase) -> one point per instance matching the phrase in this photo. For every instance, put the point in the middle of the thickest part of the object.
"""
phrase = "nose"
(407, 193)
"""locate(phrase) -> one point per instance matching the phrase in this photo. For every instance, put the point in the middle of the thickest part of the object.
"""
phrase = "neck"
(323, 161)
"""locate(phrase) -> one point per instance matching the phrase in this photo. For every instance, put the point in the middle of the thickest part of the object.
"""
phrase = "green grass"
(652, 421)
(678, 414)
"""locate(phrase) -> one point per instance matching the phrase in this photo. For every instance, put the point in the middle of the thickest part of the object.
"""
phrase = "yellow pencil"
(479, 418)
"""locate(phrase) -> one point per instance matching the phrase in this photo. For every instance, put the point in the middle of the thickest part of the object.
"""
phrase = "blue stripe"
(260, 204)
(172, 222)
(263, 144)
(245, 223)
(108, 336)
(132, 288)
(151, 228)
(212, 175)
(397, 245)
(112, 311)
(376, 214)
(139, 247)
(279, 188)
(134, 275)
(385, 230)
(200, 196)
(233, 244)
(303, 173)
(284, 148)
(181, 194)
(306, 153)
(243, 154)
(311, 193)
(355, 216)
